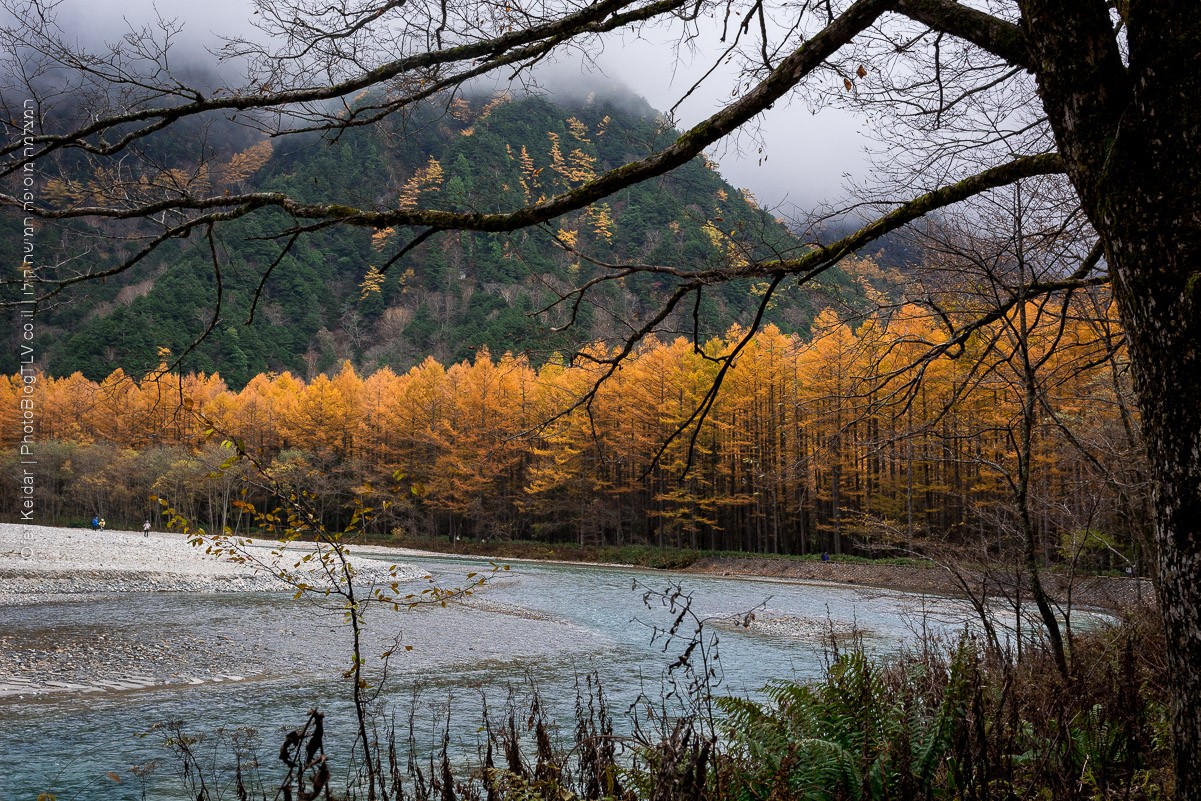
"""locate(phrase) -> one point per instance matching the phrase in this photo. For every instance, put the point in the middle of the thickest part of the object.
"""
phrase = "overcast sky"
(804, 155)
(807, 155)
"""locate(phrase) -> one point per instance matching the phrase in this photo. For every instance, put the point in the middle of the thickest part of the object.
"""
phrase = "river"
(124, 662)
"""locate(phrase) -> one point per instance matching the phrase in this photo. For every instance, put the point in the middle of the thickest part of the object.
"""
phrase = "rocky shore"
(70, 647)
(40, 562)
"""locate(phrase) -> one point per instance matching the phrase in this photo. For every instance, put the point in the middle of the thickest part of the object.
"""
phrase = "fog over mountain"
(792, 159)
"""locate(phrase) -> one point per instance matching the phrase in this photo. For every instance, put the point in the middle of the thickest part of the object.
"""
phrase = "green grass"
(639, 555)
(648, 556)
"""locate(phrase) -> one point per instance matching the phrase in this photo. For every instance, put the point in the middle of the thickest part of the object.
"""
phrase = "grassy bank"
(647, 556)
(634, 555)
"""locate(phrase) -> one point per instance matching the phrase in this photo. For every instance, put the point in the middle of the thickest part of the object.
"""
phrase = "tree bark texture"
(1130, 136)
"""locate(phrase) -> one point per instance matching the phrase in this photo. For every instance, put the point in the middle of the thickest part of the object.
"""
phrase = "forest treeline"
(872, 436)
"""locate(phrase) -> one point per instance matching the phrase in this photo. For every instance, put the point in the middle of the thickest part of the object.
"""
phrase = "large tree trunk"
(1130, 135)
(1164, 348)
(1150, 220)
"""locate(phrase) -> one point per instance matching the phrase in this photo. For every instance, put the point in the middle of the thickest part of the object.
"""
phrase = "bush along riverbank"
(943, 720)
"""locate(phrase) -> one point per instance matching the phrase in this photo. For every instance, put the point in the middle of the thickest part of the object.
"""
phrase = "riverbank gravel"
(41, 562)
(67, 652)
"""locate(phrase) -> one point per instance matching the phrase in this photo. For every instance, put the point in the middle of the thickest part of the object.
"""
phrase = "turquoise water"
(262, 660)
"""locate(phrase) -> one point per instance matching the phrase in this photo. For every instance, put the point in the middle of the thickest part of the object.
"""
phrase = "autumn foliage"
(848, 440)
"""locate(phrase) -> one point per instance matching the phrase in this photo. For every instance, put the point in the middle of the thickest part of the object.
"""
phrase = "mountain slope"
(450, 296)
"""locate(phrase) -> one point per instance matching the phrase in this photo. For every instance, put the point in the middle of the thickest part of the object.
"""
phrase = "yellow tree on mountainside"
(478, 474)
(829, 372)
(577, 476)
(414, 432)
(756, 426)
(326, 416)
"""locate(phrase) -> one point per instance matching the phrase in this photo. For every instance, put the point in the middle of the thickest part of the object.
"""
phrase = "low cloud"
(789, 157)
